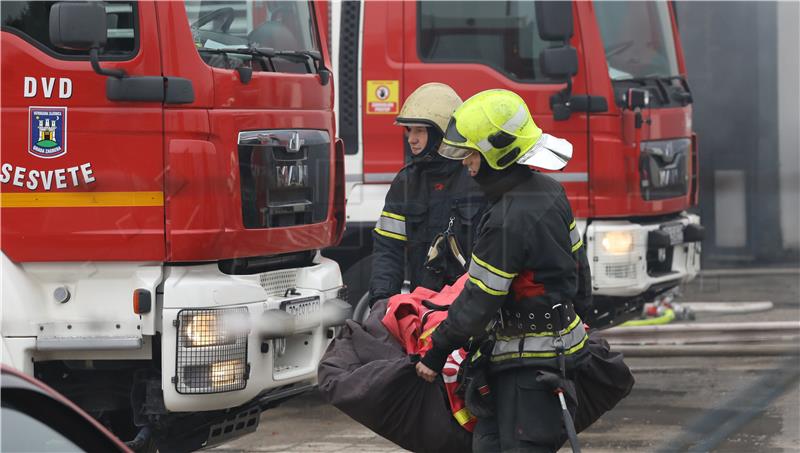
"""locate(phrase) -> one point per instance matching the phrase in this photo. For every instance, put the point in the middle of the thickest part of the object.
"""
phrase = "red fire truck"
(169, 172)
(608, 76)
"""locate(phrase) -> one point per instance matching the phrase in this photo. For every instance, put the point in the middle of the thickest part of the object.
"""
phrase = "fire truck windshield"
(638, 39)
(221, 29)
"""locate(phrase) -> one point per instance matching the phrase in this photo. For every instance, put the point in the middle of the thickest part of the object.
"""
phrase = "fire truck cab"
(169, 172)
(607, 76)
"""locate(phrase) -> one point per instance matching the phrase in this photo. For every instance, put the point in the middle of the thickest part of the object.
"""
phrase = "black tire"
(121, 424)
(357, 279)
(362, 309)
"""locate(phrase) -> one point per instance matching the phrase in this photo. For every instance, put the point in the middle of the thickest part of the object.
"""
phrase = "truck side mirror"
(637, 98)
(554, 20)
(559, 62)
(78, 26)
(82, 26)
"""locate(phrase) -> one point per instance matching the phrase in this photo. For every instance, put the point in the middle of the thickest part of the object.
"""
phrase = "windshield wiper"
(313, 54)
(680, 93)
(639, 80)
(685, 95)
(312, 59)
(300, 56)
(241, 50)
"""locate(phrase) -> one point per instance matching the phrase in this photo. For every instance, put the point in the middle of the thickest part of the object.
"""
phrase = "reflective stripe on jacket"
(419, 206)
(527, 239)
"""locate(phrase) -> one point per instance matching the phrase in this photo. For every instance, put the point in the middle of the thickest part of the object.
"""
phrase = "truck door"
(81, 174)
(478, 45)
(257, 68)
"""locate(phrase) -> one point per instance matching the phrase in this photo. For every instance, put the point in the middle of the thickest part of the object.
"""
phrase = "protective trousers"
(527, 416)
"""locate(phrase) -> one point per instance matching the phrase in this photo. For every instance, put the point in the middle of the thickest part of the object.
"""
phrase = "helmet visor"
(453, 136)
(455, 145)
(454, 152)
(549, 153)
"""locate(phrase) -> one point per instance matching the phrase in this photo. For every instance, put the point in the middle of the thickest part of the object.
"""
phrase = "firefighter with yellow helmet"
(428, 222)
(529, 281)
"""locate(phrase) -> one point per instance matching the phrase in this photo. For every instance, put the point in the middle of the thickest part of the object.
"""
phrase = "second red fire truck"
(608, 76)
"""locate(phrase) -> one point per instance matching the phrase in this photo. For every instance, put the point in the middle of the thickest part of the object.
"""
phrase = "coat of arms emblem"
(48, 131)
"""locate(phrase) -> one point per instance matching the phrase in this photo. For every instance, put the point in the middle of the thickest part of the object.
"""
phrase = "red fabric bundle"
(412, 324)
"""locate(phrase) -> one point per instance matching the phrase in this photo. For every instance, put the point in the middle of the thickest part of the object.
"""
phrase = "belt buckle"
(558, 344)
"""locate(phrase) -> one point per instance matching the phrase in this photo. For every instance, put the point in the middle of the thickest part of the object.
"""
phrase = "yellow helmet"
(498, 124)
(430, 105)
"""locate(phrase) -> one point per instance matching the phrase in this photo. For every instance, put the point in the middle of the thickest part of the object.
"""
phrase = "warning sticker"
(382, 96)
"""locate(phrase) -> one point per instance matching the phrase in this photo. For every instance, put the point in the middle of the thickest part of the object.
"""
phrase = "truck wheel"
(362, 310)
(357, 279)
(121, 424)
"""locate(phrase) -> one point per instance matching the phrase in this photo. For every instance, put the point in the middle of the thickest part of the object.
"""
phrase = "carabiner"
(449, 229)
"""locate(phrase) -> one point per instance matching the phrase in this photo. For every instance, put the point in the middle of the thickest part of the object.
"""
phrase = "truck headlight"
(227, 373)
(617, 242)
(204, 328)
(212, 350)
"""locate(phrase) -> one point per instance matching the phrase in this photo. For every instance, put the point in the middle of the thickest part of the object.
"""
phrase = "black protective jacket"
(528, 257)
(422, 200)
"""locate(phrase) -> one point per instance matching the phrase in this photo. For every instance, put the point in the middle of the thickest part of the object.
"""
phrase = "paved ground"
(677, 404)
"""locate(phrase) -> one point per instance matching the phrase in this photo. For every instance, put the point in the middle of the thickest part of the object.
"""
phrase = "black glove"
(374, 299)
(555, 381)
(478, 396)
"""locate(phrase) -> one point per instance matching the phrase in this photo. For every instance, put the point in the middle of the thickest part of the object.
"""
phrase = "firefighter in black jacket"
(529, 281)
(428, 223)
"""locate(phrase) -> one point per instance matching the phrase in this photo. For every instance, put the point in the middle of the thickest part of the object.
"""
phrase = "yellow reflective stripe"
(484, 145)
(538, 343)
(463, 416)
(392, 215)
(516, 121)
(566, 331)
(388, 234)
(391, 225)
(488, 277)
(540, 355)
(428, 332)
(81, 199)
(575, 237)
(492, 268)
(486, 289)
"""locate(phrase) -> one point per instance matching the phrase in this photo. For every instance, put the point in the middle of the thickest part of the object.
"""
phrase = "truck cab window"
(31, 21)
(638, 40)
(262, 35)
(499, 34)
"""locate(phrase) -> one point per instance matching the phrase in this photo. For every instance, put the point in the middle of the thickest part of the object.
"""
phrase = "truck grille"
(278, 282)
(621, 270)
(663, 168)
(285, 177)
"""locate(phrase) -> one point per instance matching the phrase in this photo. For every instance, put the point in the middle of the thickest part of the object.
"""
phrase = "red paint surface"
(203, 195)
(122, 141)
(604, 144)
(188, 152)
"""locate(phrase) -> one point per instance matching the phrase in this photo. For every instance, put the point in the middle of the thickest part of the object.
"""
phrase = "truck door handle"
(170, 90)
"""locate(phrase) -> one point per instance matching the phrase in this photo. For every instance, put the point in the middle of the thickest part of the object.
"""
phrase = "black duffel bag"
(366, 374)
(602, 381)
